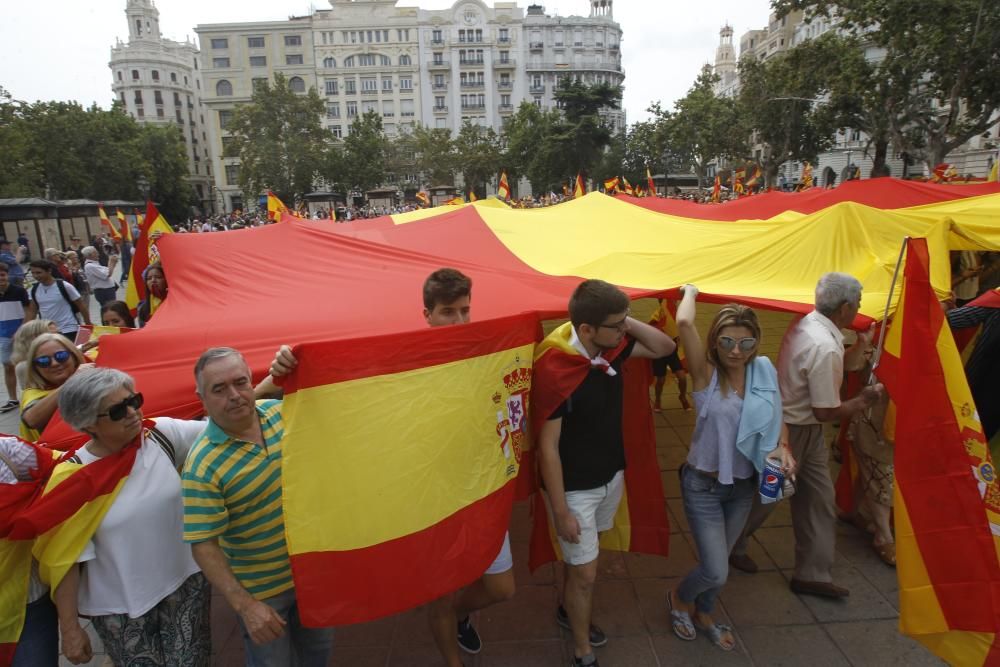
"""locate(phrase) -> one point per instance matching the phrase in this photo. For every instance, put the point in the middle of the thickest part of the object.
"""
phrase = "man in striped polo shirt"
(233, 518)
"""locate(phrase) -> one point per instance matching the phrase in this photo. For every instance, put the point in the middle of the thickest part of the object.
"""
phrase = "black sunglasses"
(46, 360)
(118, 411)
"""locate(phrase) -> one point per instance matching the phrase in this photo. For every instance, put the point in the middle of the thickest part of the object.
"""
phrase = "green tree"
(939, 79)
(166, 170)
(479, 156)
(580, 136)
(434, 154)
(530, 153)
(280, 141)
(21, 173)
(364, 151)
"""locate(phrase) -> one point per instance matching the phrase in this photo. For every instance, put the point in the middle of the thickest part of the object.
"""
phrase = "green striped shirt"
(232, 491)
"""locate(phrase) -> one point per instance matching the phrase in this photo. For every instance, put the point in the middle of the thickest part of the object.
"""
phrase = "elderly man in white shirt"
(810, 370)
(99, 277)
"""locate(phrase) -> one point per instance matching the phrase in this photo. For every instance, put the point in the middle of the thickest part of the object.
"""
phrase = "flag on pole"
(144, 254)
(423, 198)
(579, 189)
(472, 195)
(641, 523)
(946, 495)
(360, 543)
(994, 172)
(503, 189)
(629, 190)
(807, 176)
(110, 228)
(717, 189)
(611, 185)
(754, 177)
(649, 182)
(126, 231)
(275, 207)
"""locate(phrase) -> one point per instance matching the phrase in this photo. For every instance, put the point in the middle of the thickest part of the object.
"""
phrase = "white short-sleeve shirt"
(138, 556)
(810, 368)
(53, 306)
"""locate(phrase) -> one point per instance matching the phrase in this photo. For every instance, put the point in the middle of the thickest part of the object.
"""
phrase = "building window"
(157, 97)
(337, 131)
(439, 102)
(138, 98)
(366, 60)
(388, 110)
(369, 106)
(331, 86)
(135, 75)
(436, 36)
(505, 56)
(177, 99)
(352, 109)
(293, 40)
(255, 42)
(387, 85)
(225, 117)
(156, 75)
(293, 59)
(138, 112)
(404, 61)
(258, 61)
(349, 61)
(505, 100)
(369, 85)
(330, 62)
(120, 77)
(385, 61)
(220, 62)
(297, 85)
(406, 108)
(405, 83)
(159, 112)
(349, 86)
(333, 110)
(232, 174)
(220, 43)
(504, 35)
(122, 96)
(173, 77)
(223, 88)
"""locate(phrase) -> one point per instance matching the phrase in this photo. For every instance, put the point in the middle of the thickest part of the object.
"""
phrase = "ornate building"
(158, 81)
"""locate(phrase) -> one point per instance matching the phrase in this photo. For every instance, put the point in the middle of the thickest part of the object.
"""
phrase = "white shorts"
(595, 511)
(504, 560)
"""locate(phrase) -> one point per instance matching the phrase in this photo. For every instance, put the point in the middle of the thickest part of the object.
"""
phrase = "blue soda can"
(770, 482)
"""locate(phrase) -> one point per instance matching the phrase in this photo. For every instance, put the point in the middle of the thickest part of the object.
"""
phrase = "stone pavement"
(773, 626)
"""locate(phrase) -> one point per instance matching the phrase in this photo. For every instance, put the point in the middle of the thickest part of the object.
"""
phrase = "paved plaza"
(773, 626)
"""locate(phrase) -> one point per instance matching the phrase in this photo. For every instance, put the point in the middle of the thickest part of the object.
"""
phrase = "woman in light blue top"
(738, 426)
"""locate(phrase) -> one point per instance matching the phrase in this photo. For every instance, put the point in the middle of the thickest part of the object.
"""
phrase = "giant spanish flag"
(144, 254)
(419, 442)
(947, 500)
(641, 523)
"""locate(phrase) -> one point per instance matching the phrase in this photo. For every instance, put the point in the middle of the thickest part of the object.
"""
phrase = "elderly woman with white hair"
(135, 577)
(99, 277)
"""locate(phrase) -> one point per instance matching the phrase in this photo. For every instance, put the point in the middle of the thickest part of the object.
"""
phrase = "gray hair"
(834, 290)
(89, 251)
(81, 396)
(210, 355)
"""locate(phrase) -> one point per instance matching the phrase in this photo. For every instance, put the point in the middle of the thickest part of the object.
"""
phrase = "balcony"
(507, 63)
(370, 92)
(438, 65)
(437, 41)
(568, 67)
(473, 106)
(536, 46)
(472, 62)
(503, 40)
(537, 89)
(350, 91)
(505, 85)
(473, 85)
(440, 109)
(440, 86)
(407, 114)
(506, 108)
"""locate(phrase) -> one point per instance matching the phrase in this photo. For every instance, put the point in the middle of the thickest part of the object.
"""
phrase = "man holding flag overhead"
(579, 393)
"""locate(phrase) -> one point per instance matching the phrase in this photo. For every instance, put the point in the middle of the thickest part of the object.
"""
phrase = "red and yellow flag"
(144, 254)
(421, 508)
(627, 187)
(611, 185)
(472, 196)
(641, 523)
(108, 227)
(994, 175)
(275, 207)
(649, 183)
(717, 189)
(754, 177)
(423, 198)
(947, 499)
(579, 189)
(503, 189)
(807, 176)
(455, 201)
(126, 231)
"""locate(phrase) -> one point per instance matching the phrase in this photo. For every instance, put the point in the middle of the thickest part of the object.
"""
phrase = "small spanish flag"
(455, 201)
(123, 224)
(144, 254)
(503, 189)
(611, 185)
(649, 183)
(275, 207)
(110, 228)
(579, 189)
(423, 198)
(421, 509)
(717, 189)
(472, 195)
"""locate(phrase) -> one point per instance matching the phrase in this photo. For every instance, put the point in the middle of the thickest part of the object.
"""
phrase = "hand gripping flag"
(641, 523)
(389, 505)
(946, 497)
(144, 254)
(503, 189)
(15, 555)
(108, 227)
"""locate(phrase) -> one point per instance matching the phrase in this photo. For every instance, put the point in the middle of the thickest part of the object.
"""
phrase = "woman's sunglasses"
(118, 411)
(727, 343)
(46, 360)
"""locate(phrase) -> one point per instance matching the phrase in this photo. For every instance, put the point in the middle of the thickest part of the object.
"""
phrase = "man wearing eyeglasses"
(581, 448)
(811, 366)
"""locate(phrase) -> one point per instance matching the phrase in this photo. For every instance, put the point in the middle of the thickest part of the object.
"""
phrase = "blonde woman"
(23, 337)
(738, 426)
(52, 359)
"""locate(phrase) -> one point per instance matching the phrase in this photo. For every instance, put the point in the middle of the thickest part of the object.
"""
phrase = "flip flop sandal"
(714, 633)
(680, 621)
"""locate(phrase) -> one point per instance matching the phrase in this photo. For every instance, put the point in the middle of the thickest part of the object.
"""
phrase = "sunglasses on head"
(118, 411)
(727, 343)
(46, 360)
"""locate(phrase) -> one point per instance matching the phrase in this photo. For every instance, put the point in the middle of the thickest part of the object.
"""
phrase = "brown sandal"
(886, 552)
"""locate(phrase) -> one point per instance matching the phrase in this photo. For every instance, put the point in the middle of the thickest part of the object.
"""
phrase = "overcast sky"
(59, 49)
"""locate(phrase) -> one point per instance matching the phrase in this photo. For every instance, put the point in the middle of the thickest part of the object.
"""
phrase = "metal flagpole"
(877, 354)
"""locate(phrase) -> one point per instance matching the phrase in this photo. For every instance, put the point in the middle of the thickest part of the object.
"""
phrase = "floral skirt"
(175, 633)
(876, 478)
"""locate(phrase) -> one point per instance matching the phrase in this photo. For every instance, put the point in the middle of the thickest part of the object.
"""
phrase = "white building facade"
(158, 81)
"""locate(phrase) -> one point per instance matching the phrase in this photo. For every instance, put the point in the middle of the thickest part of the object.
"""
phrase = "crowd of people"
(200, 506)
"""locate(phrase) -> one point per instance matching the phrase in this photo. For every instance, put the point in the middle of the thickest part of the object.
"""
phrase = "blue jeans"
(716, 513)
(299, 646)
(38, 645)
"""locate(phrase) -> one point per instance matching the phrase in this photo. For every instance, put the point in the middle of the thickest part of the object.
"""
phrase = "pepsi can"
(771, 481)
